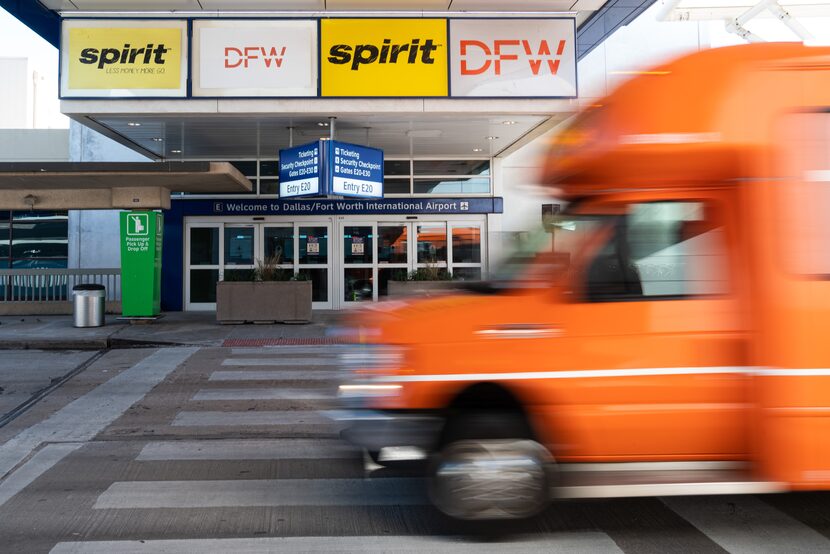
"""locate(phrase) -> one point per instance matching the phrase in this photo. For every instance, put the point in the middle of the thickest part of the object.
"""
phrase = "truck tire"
(490, 468)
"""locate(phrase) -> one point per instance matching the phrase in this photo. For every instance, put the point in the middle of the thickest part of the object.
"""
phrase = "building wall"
(516, 177)
(14, 112)
(34, 145)
(94, 234)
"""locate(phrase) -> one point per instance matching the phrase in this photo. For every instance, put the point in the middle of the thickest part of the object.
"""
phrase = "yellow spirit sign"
(384, 57)
(124, 59)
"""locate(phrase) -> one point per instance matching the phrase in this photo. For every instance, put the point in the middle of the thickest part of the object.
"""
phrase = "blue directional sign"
(302, 170)
(355, 170)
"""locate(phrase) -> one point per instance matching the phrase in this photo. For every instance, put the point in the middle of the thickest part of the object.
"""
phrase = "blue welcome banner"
(404, 206)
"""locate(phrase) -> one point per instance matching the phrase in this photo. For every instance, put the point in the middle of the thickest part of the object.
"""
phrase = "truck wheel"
(490, 468)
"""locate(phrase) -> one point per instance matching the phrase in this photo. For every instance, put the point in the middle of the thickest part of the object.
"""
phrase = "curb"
(57, 344)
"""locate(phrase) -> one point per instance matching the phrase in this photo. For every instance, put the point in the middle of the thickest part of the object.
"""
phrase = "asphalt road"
(229, 450)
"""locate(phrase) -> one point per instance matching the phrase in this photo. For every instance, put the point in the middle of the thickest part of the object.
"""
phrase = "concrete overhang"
(106, 186)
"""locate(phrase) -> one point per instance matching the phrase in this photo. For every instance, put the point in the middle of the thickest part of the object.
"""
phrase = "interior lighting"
(175, 151)
(478, 149)
(133, 124)
(158, 139)
(322, 124)
(491, 137)
(508, 122)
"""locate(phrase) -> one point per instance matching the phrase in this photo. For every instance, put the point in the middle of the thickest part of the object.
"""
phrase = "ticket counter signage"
(141, 240)
(383, 57)
(255, 58)
(302, 170)
(124, 58)
(356, 170)
(513, 58)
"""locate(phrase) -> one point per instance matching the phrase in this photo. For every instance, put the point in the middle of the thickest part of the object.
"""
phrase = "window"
(401, 177)
(32, 240)
(802, 225)
(660, 249)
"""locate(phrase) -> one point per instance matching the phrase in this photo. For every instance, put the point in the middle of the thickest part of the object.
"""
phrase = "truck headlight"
(372, 358)
(367, 390)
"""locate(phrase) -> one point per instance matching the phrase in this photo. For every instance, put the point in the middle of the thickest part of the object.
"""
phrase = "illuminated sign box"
(124, 58)
(302, 171)
(336, 57)
(255, 58)
(513, 58)
(355, 170)
(383, 57)
(331, 167)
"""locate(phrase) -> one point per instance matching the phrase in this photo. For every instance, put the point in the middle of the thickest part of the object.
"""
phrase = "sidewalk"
(56, 332)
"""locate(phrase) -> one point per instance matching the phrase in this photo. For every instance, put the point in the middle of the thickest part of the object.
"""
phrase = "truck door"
(654, 324)
(791, 269)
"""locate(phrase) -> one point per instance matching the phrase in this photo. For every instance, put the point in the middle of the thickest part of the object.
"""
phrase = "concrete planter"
(263, 301)
(398, 289)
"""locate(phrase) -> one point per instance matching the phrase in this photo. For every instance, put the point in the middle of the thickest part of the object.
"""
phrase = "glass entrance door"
(359, 261)
(202, 256)
(393, 254)
(374, 253)
(301, 249)
(217, 251)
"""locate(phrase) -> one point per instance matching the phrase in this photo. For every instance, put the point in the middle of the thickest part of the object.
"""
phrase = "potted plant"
(266, 294)
(424, 281)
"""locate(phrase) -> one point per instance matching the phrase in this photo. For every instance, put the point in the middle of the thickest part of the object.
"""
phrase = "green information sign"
(141, 263)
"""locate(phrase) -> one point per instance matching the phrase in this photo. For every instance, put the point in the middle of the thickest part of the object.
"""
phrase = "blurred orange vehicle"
(676, 343)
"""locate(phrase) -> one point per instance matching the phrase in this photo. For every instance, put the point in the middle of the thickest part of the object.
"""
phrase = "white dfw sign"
(255, 58)
(513, 57)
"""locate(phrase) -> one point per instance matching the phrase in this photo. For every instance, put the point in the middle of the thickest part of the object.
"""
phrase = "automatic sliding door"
(313, 261)
(431, 248)
(358, 263)
(239, 252)
(278, 248)
(466, 248)
(203, 264)
(393, 254)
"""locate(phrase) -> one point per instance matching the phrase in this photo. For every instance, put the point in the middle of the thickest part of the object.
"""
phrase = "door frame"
(375, 221)
(259, 224)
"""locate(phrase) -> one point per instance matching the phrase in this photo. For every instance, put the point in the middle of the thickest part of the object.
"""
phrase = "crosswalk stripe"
(37, 465)
(263, 492)
(251, 449)
(269, 393)
(290, 362)
(587, 542)
(278, 375)
(747, 525)
(324, 350)
(222, 419)
(84, 417)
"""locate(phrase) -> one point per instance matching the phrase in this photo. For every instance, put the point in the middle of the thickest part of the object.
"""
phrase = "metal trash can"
(89, 301)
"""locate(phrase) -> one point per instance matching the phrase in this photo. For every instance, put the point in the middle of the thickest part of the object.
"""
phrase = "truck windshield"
(539, 257)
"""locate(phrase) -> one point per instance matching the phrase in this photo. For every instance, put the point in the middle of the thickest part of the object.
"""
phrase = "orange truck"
(677, 343)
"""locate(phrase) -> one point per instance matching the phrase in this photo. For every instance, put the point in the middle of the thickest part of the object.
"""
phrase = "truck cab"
(672, 344)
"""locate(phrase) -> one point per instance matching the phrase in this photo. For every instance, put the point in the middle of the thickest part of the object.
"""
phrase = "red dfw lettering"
(503, 57)
(271, 57)
(544, 50)
(235, 57)
(249, 56)
(465, 69)
(228, 51)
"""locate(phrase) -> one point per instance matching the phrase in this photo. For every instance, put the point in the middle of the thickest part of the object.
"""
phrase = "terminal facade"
(462, 100)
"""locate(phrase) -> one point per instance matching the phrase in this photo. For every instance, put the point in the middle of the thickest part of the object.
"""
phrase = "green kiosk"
(141, 234)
